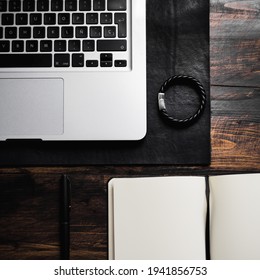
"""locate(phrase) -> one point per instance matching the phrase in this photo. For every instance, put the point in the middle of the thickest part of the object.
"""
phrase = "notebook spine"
(207, 233)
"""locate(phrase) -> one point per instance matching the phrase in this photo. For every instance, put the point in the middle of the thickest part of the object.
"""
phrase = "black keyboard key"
(78, 60)
(106, 63)
(88, 45)
(112, 45)
(35, 19)
(77, 18)
(95, 32)
(4, 46)
(106, 18)
(120, 19)
(18, 46)
(42, 5)
(24, 32)
(116, 5)
(32, 46)
(3, 5)
(21, 19)
(99, 5)
(120, 63)
(81, 32)
(15, 5)
(61, 60)
(49, 18)
(92, 63)
(106, 56)
(74, 45)
(39, 32)
(7, 19)
(60, 46)
(25, 60)
(109, 31)
(106, 59)
(1, 32)
(70, 5)
(56, 5)
(92, 18)
(67, 32)
(11, 32)
(46, 46)
(84, 5)
(64, 18)
(29, 5)
(53, 32)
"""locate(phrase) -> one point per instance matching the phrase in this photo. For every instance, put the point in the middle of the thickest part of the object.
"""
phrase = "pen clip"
(67, 186)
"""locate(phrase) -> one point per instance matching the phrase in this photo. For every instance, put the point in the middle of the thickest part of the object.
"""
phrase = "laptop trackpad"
(31, 107)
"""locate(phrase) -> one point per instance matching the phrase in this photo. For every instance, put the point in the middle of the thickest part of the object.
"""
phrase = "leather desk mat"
(177, 43)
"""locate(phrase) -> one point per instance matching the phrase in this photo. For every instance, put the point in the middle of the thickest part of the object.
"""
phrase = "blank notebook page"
(157, 218)
(235, 217)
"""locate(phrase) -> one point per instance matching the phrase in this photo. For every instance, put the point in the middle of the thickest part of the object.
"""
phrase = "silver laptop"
(72, 70)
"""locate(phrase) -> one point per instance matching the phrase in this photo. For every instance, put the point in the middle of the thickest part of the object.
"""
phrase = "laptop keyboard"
(76, 34)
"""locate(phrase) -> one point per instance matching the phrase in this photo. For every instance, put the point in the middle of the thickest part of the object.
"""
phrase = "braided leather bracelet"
(186, 80)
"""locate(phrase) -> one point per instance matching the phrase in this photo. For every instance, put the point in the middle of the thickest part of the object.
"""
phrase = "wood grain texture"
(235, 128)
(29, 216)
(30, 196)
(235, 43)
(88, 217)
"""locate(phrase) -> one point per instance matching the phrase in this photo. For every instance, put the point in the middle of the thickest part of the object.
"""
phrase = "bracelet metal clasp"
(161, 101)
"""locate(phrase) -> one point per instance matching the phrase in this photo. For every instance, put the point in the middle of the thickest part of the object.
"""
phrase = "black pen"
(65, 218)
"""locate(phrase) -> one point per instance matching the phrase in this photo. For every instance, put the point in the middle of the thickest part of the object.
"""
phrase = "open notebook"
(166, 217)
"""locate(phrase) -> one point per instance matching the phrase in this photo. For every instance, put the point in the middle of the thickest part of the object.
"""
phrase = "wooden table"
(29, 201)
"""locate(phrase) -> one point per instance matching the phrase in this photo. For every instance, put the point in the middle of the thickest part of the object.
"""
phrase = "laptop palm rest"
(31, 107)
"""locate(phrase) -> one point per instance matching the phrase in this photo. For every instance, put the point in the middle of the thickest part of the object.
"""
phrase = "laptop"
(72, 70)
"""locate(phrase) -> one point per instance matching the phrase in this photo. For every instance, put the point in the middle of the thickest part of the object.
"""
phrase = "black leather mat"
(177, 43)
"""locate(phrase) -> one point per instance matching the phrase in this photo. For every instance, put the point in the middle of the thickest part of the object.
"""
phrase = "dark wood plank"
(88, 217)
(235, 43)
(29, 216)
(235, 129)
